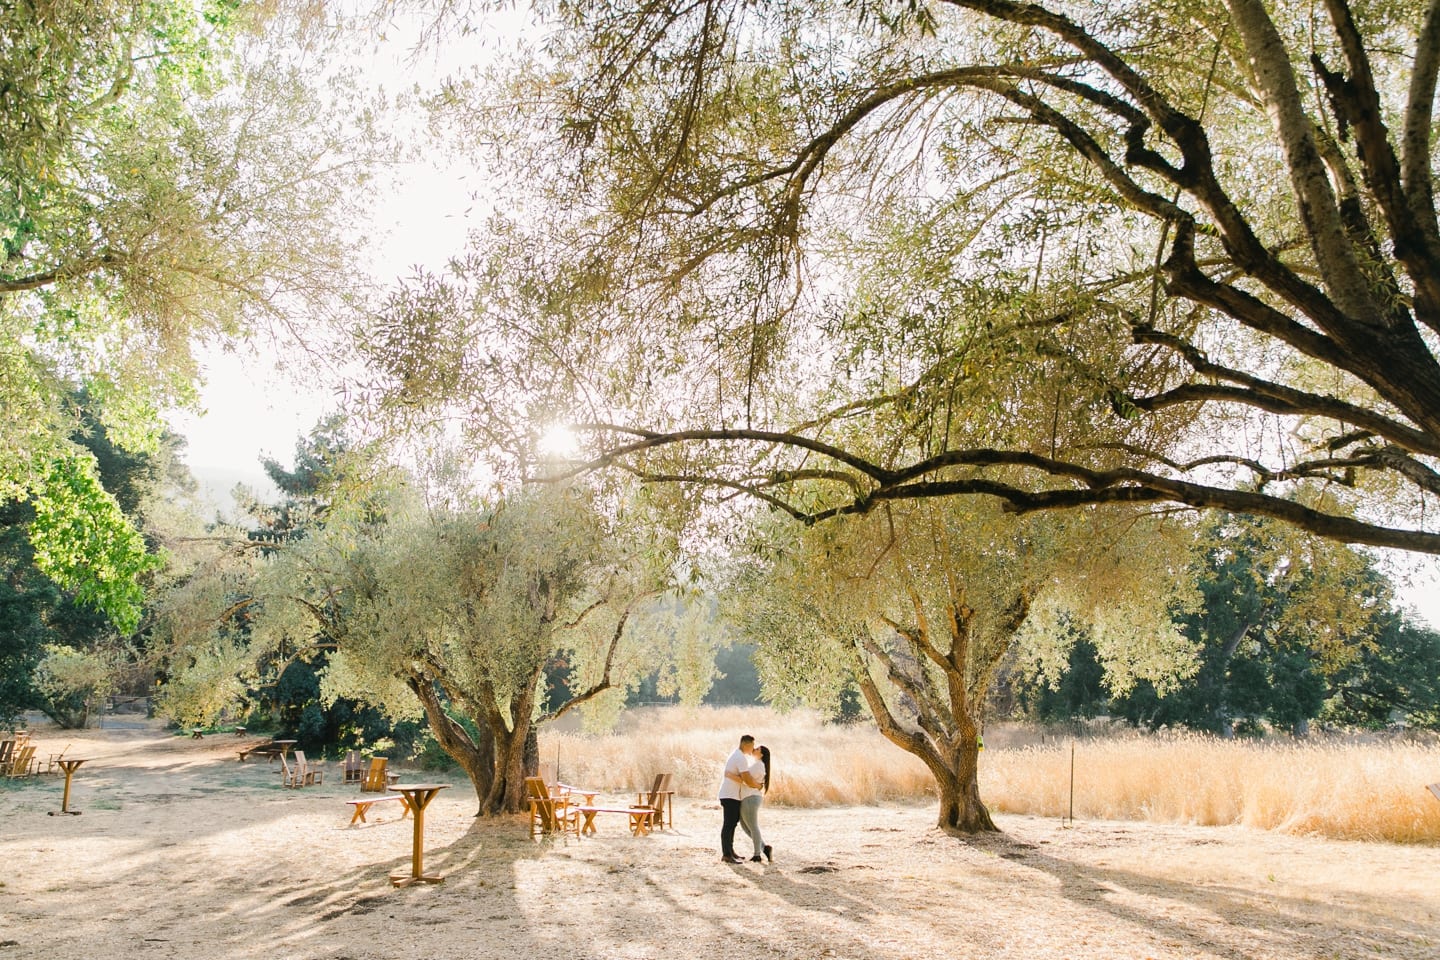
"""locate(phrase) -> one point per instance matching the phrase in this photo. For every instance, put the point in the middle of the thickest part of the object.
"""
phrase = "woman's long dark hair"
(765, 759)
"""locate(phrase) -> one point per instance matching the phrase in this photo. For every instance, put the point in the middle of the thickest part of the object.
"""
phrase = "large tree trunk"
(945, 734)
(961, 809)
(476, 758)
(508, 792)
(957, 775)
(955, 766)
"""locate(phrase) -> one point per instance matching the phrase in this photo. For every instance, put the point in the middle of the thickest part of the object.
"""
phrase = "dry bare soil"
(184, 852)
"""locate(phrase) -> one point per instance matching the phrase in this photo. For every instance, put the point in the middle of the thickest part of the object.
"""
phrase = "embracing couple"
(743, 788)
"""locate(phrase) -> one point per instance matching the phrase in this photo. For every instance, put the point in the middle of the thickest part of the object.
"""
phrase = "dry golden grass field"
(1348, 790)
(184, 852)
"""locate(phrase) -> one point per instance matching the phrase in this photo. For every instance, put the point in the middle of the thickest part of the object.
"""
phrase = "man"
(738, 763)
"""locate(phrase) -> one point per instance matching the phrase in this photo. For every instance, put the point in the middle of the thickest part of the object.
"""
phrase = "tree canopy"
(1205, 230)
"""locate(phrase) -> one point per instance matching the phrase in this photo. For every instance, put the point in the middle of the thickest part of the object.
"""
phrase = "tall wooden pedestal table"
(418, 795)
(69, 765)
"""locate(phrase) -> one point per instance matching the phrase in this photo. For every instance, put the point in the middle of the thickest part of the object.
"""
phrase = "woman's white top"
(757, 770)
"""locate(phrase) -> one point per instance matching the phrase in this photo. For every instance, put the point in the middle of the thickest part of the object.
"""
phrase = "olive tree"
(457, 612)
(918, 605)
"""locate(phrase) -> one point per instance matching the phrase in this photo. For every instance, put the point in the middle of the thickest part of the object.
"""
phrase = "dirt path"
(184, 852)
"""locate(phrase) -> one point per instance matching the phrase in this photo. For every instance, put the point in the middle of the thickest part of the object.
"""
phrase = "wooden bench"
(265, 748)
(642, 819)
(363, 805)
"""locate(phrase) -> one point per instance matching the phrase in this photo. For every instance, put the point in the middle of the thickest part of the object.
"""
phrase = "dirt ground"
(184, 852)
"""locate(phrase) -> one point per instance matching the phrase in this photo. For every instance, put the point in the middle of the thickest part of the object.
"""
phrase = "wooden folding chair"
(374, 780)
(549, 814)
(311, 773)
(659, 798)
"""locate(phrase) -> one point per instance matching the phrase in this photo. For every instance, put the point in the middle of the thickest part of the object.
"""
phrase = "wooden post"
(1072, 783)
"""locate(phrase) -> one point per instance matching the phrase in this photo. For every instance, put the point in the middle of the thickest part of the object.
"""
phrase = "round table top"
(72, 761)
(419, 786)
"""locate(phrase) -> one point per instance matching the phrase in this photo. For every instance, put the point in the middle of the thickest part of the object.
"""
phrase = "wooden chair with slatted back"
(310, 772)
(374, 780)
(549, 813)
(291, 776)
(660, 798)
(22, 761)
(354, 769)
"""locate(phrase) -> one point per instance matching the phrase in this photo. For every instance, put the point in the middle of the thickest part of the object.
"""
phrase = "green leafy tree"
(80, 601)
(162, 184)
(83, 542)
(1395, 679)
(1281, 616)
(1079, 692)
(1283, 613)
(73, 682)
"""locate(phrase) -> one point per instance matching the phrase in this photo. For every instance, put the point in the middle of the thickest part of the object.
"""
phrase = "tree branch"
(1123, 485)
(1415, 159)
(601, 685)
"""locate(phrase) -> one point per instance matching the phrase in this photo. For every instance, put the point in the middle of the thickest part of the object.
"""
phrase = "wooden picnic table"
(69, 765)
(641, 818)
(363, 805)
(270, 748)
(418, 797)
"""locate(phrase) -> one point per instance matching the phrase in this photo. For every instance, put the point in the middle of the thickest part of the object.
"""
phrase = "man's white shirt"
(737, 764)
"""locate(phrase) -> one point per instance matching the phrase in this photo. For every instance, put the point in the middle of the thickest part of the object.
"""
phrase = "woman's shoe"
(767, 854)
(756, 859)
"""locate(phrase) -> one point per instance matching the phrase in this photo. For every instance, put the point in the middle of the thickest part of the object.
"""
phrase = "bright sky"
(253, 409)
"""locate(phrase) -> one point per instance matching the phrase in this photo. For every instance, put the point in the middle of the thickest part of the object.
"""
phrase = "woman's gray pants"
(750, 821)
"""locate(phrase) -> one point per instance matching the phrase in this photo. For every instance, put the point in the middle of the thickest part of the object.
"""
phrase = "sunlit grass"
(1344, 790)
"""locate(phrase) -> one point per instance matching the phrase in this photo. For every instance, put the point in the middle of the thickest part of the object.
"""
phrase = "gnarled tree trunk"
(476, 756)
(961, 809)
(945, 734)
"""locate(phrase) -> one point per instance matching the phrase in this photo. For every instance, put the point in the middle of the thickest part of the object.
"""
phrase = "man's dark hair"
(746, 739)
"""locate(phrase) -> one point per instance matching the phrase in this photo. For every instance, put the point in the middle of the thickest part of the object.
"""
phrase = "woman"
(754, 784)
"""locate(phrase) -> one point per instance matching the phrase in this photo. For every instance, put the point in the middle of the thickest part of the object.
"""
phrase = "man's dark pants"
(731, 811)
